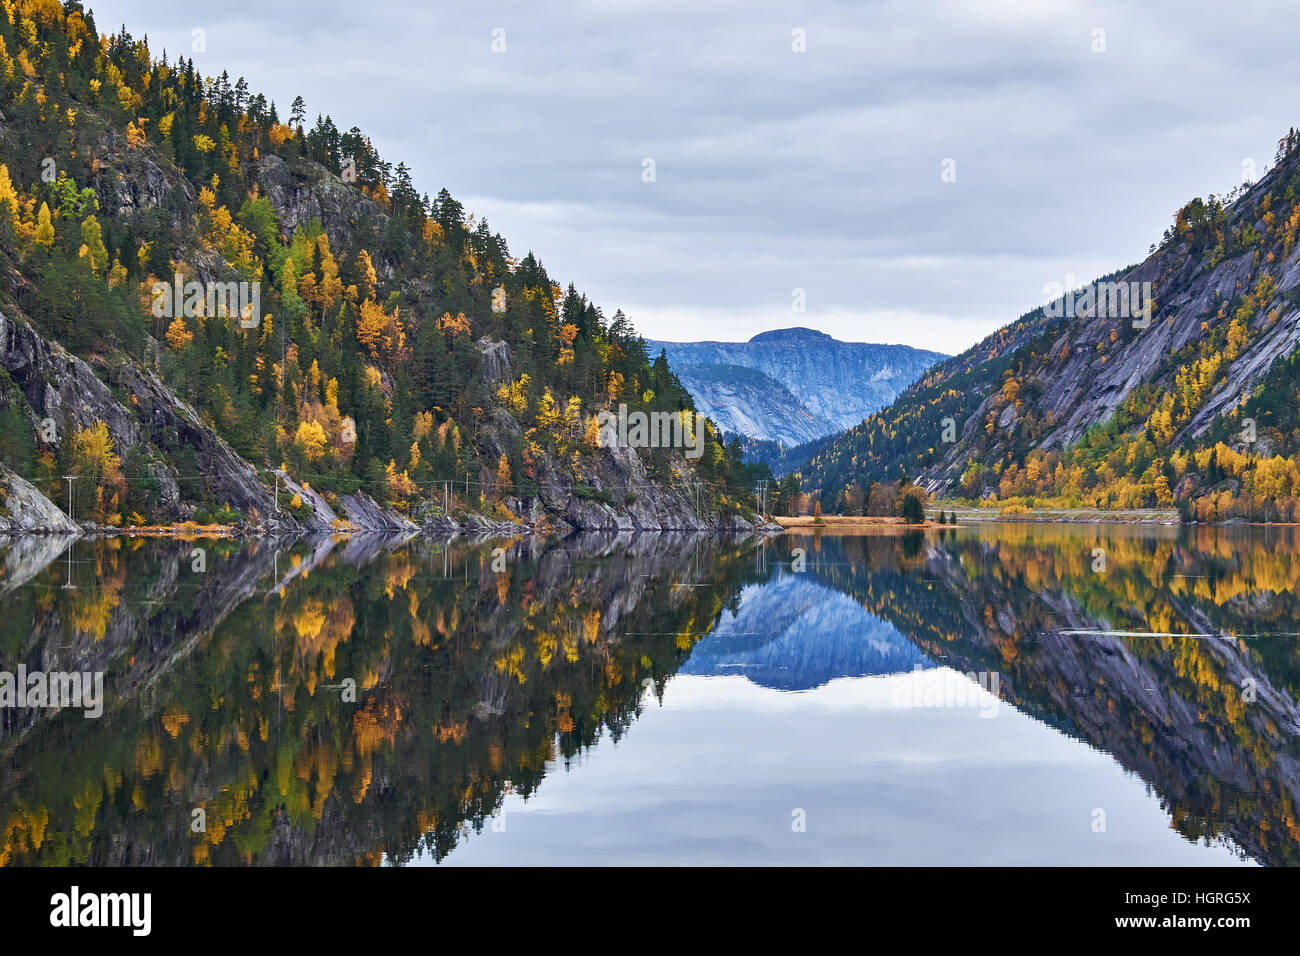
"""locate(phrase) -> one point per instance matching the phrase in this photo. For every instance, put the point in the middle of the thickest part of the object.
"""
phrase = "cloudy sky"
(1074, 131)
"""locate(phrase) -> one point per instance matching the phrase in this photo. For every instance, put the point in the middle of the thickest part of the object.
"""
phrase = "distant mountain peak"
(804, 384)
(796, 333)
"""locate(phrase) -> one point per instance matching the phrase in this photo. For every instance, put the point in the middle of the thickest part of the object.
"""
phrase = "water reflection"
(479, 671)
(793, 632)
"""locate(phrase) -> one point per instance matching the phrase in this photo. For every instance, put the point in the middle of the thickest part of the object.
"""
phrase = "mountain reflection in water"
(228, 692)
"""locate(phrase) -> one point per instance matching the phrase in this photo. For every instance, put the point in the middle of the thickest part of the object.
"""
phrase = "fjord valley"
(338, 531)
(402, 366)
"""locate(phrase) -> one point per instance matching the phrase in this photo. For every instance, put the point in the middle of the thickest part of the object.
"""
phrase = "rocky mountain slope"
(746, 401)
(1099, 406)
(800, 385)
(384, 362)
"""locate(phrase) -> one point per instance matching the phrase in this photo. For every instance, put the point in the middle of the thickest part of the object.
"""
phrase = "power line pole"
(275, 476)
(70, 479)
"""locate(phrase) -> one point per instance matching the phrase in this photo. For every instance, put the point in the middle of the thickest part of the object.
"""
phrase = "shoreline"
(852, 523)
(1160, 517)
(775, 526)
(182, 532)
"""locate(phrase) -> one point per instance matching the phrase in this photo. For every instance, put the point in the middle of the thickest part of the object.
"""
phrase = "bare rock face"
(172, 420)
(128, 182)
(72, 394)
(363, 512)
(24, 510)
(1087, 365)
(496, 359)
(321, 516)
(306, 191)
(617, 493)
(359, 511)
(60, 386)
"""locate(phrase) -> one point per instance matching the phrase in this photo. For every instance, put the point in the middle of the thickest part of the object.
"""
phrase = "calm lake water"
(1012, 694)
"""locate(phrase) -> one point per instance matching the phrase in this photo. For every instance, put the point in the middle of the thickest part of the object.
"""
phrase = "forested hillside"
(1199, 408)
(399, 350)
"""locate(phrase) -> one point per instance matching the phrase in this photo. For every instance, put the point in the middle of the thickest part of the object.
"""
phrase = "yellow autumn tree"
(366, 271)
(380, 332)
(400, 485)
(614, 387)
(93, 458)
(422, 425)
(92, 245)
(8, 198)
(311, 440)
(178, 336)
(514, 395)
(92, 449)
(504, 482)
(568, 333)
(322, 294)
(455, 324)
(549, 415)
(44, 227)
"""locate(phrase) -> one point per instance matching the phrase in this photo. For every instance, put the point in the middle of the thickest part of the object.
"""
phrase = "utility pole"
(275, 474)
(70, 479)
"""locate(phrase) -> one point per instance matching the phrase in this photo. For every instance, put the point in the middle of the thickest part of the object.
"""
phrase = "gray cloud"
(778, 170)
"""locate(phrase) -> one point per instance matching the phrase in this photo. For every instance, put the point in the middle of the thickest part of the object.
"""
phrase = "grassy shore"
(1066, 515)
(855, 523)
(968, 515)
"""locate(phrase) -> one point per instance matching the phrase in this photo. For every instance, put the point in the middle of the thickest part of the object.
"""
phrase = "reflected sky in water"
(982, 696)
(713, 776)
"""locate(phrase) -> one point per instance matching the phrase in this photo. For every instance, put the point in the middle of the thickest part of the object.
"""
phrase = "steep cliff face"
(1093, 364)
(613, 491)
(609, 489)
(807, 384)
(62, 393)
(57, 387)
(307, 191)
(745, 401)
(1116, 390)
